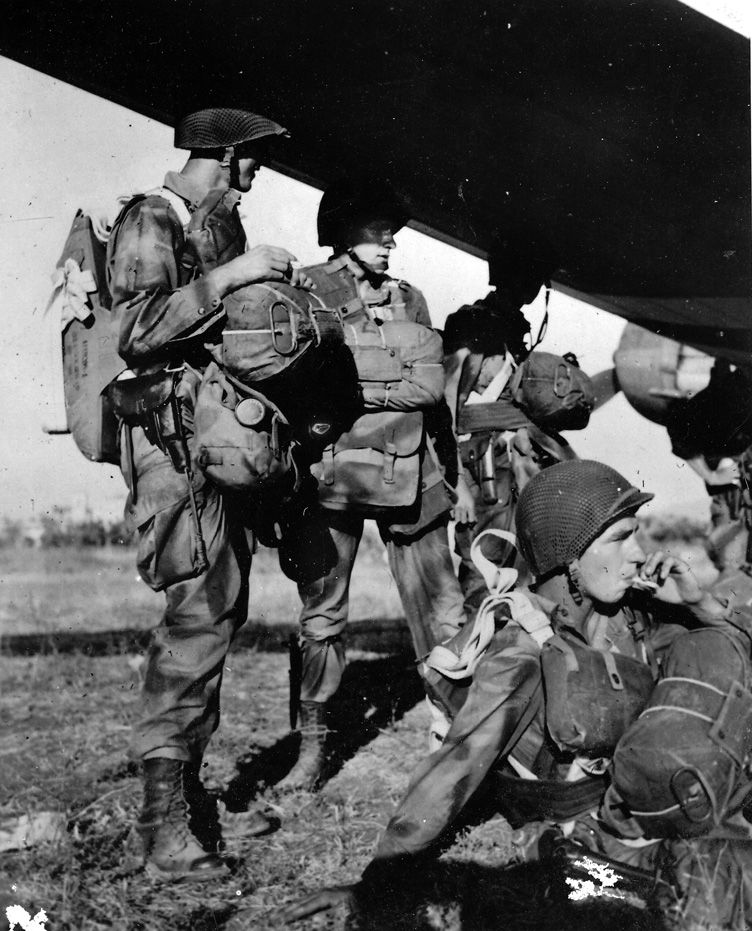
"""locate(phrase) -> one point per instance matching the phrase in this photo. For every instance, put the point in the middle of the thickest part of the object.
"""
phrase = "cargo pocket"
(168, 547)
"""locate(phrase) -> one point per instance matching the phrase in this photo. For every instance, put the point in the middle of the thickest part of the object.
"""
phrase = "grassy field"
(63, 750)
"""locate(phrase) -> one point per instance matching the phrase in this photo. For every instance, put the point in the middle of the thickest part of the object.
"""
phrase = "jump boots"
(311, 765)
(179, 825)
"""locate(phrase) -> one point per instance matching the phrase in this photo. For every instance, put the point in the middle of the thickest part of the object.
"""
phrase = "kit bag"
(591, 696)
(377, 464)
(683, 766)
(234, 455)
(83, 328)
(553, 391)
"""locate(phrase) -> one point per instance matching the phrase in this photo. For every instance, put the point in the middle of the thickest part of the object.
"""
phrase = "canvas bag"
(399, 363)
(85, 344)
(235, 456)
(591, 696)
(553, 391)
(377, 463)
(282, 341)
(683, 765)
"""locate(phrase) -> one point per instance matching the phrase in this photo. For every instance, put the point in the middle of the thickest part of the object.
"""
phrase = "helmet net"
(217, 127)
(565, 507)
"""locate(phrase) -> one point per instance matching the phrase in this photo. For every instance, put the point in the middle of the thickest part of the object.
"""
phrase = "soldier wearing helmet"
(577, 530)
(173, 255)
(359, 476)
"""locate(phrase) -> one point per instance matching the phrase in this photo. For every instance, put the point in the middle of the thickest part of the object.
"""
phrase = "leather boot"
(203, 813)
(172, 851)
(309, 769)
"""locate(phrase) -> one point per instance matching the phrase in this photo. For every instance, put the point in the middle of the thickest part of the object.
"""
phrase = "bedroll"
(683, 766)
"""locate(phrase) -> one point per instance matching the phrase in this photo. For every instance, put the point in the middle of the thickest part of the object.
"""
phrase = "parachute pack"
(553, 391)
(683, 766)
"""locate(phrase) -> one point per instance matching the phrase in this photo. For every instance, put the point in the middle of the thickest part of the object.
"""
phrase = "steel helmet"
(221, 127)
(349, 200)
(568, 505)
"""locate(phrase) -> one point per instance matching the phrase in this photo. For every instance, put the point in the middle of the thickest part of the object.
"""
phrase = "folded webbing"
(542, 799)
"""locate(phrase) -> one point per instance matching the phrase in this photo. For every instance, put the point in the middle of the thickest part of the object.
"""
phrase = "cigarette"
(645, 584)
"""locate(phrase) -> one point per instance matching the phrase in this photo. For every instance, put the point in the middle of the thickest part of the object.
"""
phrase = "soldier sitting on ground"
(577, 530)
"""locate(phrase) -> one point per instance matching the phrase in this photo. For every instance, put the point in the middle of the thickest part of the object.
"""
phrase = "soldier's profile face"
(373, 242)
(609, 564)
(250, 156)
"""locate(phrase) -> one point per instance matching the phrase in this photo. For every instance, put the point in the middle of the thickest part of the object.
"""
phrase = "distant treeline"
(58, 530)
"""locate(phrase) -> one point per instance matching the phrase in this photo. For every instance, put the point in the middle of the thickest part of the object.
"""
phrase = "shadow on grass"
(382, 635)
(373, 694)
(452, 895)
(459, 896)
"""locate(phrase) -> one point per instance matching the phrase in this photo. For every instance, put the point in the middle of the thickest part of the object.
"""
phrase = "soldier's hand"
(464, 507)
(674, 580)
(320, 901)
(261, 263)
(523, 458)
(299, 279)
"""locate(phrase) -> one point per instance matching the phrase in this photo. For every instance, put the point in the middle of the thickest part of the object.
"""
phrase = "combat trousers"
(185, 661)
(423, 571)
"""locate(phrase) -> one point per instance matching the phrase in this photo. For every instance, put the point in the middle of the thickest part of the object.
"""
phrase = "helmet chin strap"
(374, 279)
(574, 578)
(229, 166)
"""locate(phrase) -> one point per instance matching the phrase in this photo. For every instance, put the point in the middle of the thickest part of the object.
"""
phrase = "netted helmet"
(220, 127)
(566, 506)
(351, 200)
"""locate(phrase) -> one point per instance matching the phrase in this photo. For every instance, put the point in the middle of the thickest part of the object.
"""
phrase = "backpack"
(682, 767)
(554, 391)
(88, 342)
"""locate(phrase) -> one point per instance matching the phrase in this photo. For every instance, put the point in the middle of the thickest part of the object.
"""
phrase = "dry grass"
(96, 589)
(64, 749)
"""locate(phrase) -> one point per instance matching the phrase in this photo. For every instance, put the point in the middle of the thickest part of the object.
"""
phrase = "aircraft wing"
(620, 130)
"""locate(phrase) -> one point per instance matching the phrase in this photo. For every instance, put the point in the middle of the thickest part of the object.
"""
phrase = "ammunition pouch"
(151, 402)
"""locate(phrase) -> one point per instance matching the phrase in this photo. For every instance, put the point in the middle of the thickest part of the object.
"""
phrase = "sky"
(62, 149)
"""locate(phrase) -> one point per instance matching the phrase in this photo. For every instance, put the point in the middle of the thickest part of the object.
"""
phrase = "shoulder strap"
(498, 580)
